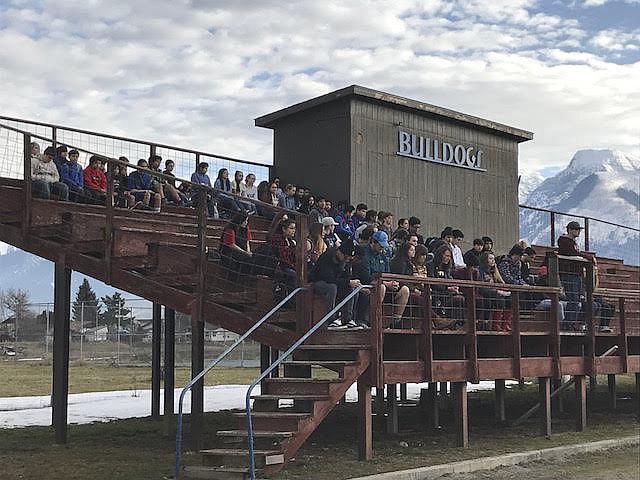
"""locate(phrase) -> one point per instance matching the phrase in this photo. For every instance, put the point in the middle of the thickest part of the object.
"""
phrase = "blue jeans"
(572, 285)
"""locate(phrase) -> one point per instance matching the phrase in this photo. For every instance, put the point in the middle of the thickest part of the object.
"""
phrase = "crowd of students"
(346, 246)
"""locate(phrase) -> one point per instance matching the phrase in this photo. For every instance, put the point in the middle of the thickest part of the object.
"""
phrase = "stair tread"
(201, 468)
(274, 396)
(303, 380)
(258, 433)
(273, 415)
(345, 346)
(319, 362)
(237, 452)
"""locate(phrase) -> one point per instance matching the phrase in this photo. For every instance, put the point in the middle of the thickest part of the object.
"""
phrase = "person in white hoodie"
(44, 175)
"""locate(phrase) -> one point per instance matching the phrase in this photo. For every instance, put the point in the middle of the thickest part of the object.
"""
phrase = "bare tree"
(14, 300)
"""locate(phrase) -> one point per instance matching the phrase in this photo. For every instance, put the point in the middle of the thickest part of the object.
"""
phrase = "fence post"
(586, 233)
(553, 228)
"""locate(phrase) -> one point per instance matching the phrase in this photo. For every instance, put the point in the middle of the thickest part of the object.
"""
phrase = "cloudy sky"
(196, 73)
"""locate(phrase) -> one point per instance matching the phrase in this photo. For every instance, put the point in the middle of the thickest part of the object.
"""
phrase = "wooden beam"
(392, 408)
(403, 392)
(156, 330)
(637, 402)
(197, 365)
(433, 408)
(516, 346)
(61, 315)
(611, 387)
(581, 402)
(557, 406)
(461, 413)
(169, 369)
(365, 429)
(500, 412)
(544, 397)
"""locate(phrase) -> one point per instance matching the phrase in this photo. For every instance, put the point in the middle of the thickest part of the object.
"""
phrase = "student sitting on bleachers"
(328, 233)
(332, 278)
(496, 300)
(308, 203)
(475, 251)
(122, 196)
(72, 176)
(288, 198)
(315, 245)
(223, 195)
(95, 182)
(139, 184)
(181, 193)
(385, 222)
(318, 211)
(509, 266)
(446, 300)
(375, 260)
(250, 190)
(60, 158)
(371, 221)
(284, 240)
(345, 228)
(235, 246)
(359, 216)
(200, 177)
(414, 226)
(45, 178)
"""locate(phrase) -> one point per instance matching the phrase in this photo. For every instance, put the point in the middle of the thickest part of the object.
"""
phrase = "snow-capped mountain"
(529, 181)
(602, 184)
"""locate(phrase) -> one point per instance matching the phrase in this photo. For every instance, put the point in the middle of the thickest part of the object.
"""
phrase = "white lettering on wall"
(432, 150)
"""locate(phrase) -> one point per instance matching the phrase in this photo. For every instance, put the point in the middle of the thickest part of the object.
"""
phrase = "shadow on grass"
(137, 448)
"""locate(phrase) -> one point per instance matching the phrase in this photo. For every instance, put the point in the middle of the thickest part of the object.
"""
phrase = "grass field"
(28, 378)
(137, 449)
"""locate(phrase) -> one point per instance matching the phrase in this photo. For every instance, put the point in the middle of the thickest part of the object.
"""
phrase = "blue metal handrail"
(189, 385)
(274, 365)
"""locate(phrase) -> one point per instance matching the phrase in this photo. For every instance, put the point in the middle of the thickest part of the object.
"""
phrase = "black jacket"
(437, 272)
(330, 270)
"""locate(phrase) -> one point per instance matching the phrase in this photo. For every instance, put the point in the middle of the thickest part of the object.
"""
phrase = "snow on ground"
(106, 406)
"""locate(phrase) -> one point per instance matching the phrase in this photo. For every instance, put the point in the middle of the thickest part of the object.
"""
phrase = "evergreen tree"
(115, 306)
(85, 307)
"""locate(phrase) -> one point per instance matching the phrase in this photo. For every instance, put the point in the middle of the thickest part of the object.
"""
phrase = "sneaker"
(351, 325)
(605, 329)
(364, 326)
(337, 325)
(581, 327)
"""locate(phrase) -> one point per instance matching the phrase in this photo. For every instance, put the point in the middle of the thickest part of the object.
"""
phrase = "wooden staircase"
(286, 413)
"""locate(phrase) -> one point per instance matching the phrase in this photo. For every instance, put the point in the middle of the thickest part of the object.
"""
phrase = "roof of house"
(356, 91)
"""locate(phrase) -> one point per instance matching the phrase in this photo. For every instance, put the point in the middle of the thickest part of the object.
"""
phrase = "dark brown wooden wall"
(479, 203)
(313, 147)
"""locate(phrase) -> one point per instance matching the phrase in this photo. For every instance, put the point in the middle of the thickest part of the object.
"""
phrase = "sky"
(196, 73)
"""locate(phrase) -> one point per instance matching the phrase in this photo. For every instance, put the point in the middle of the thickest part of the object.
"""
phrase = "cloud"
(196, 73)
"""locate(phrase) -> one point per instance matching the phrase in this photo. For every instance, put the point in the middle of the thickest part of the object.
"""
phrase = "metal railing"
(215, 362)
(113, 146)
(281, 358)
(609, 239)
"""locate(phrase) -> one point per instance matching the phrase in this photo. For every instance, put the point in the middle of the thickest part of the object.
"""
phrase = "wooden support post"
(581, 403)
(61, 315)
(156, 330)
(365, 430)
(304, 301)
(27, 186)
(265, 361)
(443, 389)
(461, 413)
(403, 392)
(169, 368)
(501, 416)
(433, 409)
(637, 402)
(544, 397)
(108, 227)
(516, 345)
(392, 408)
(557, 403)
(197, 365)
(611, 384)
(275, 354)
(379, 407)
(552, 221)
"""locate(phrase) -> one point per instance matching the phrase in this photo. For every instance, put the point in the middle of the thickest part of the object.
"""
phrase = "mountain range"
(602, 184)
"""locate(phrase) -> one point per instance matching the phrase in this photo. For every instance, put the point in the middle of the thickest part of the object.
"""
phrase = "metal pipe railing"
(195, 379)
(274, 365)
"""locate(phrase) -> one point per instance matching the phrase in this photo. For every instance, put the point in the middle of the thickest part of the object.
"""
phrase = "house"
(96, 334)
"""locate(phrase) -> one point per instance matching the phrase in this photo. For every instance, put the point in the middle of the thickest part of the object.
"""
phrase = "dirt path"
(621, 464)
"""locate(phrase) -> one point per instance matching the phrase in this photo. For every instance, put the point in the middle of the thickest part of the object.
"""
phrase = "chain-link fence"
(119, 335)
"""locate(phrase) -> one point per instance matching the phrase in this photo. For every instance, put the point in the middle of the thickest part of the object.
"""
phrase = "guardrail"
(274, 365)
(215, 362)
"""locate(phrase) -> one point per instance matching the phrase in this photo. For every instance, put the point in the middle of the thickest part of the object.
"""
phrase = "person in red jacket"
(95, 181)
(571, 274)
